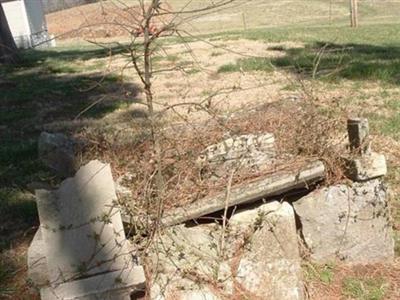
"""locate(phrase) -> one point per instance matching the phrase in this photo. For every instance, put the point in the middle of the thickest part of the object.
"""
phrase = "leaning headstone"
(56, 151)
(270, 266)
(347, 223)
(245, 151)
(82, 232)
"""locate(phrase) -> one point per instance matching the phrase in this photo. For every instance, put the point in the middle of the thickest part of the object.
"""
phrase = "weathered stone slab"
(249, 150)
(270, 266)
(258, 258)
(56, 151)
(367, 167)
(37, 264)
(347, 223)
(250, 192)
(185, 260)
(116, 285)
(82, 227)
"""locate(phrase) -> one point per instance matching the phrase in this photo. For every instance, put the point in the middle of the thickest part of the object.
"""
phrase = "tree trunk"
(353, 13)
(8, 49)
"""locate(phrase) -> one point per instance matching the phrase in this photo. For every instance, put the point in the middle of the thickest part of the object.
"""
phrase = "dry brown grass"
(302, 134)
(388, 273)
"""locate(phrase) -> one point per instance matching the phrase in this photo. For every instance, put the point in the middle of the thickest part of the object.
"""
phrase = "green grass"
(277, 14)
(18, 214)
(388, 125)
(19, 162)
(349, 61)
(364, 289)
(374, 34)
(193, 71)
(216, 54)
(323, 273)
(371, 52)
(248, 64)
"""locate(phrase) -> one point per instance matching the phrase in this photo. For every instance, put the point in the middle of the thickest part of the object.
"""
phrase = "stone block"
(367, 167)
(181, 251)
(270, 266)
(347, 223)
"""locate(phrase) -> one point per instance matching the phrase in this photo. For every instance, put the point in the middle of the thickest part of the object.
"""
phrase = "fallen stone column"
(250, 192)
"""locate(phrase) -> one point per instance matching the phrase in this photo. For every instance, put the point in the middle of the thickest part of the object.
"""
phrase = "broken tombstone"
(245, 151)
(185, 264)
(259, 258)
(347, 223)
(83, 239)
(56, 151)
(270, 266)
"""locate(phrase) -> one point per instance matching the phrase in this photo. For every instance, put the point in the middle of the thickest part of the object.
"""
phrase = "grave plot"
(248, 239)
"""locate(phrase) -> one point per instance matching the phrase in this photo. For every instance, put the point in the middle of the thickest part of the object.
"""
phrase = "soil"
(97, 20)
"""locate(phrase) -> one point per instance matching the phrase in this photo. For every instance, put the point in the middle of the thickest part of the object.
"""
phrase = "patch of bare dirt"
(97, 20)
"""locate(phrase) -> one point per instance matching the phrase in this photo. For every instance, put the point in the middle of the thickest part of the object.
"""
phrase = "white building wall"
(27, 22)
(15, 14)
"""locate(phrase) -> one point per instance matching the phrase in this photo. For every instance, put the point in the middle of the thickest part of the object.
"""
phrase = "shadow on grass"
(37, 92)
(350, 61)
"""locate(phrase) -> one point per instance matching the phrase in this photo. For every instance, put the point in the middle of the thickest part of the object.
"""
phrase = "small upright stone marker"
(358, 130)
(56, 151)
(365, 164)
